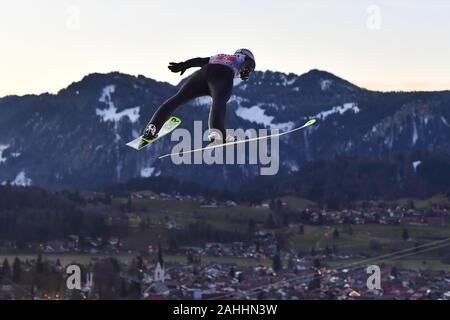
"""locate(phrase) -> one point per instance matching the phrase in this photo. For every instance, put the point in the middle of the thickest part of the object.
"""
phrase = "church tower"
(159, 270)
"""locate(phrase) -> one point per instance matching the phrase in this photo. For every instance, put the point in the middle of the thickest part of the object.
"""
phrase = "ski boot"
(149, 134)
(216, 138)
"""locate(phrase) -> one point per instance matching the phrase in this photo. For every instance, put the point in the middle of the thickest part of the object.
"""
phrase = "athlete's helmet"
(247, 53)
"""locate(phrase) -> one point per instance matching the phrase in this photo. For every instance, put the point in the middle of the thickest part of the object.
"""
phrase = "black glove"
(177, 67)
(245, 74)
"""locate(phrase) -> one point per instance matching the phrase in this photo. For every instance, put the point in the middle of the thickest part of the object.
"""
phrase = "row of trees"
(339, 182)
(32, 215)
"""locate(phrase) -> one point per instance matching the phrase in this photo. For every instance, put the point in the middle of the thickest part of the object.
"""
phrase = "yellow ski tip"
(309, 123)
(174, 119)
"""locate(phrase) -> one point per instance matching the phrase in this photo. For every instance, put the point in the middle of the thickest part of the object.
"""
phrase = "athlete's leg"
(220, 83)
(195, 86)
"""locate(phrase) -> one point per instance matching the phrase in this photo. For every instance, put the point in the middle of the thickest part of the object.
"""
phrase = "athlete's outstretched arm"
(183, 66)
(197, 62)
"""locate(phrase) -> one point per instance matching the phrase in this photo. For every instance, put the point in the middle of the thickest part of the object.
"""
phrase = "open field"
(187, 211)
(439, 199)
(297, 203)
(357, 238)
(372, 239)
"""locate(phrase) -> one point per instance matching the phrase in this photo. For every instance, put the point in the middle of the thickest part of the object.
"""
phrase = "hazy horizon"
(382, 45)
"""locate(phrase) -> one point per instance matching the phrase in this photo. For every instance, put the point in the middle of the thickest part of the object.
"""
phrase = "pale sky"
(379, 44)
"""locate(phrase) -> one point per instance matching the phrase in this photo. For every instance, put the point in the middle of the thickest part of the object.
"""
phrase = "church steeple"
(159, 269)
(160, 256)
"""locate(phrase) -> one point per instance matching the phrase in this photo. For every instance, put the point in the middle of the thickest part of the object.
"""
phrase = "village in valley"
(161, 246)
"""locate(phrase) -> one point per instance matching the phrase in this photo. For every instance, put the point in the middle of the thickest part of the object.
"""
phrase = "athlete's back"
(234, 61)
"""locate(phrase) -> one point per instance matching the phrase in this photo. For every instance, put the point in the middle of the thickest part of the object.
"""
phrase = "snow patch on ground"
(296, 89)
(292, 166)
(349, 145)
(135, 134)
(147, 172)
(237, 99)
(3, 147)
(203, 101)
(325, 84)
(389, 140)
(375, 127)
(119, 170)
(207, 100)
(339, 109)
(415, 136)
(111, 114)
(257, 114)
(290, 81)
(286, 81)
(21, 180)
(106, 94)
(237, 81)
(415, 164)
(444, 121)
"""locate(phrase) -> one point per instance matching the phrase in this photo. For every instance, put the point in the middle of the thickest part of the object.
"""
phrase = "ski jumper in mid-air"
(215, 79)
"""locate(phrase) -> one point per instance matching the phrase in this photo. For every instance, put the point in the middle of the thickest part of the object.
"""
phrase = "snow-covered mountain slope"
(76, 138)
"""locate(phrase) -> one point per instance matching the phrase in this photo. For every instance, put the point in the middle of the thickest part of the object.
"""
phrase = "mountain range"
(75, 139)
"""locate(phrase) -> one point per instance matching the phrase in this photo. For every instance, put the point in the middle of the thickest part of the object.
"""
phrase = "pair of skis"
(140, 142)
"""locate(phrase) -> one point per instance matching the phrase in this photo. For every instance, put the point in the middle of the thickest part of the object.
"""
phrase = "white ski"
(307, 124)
